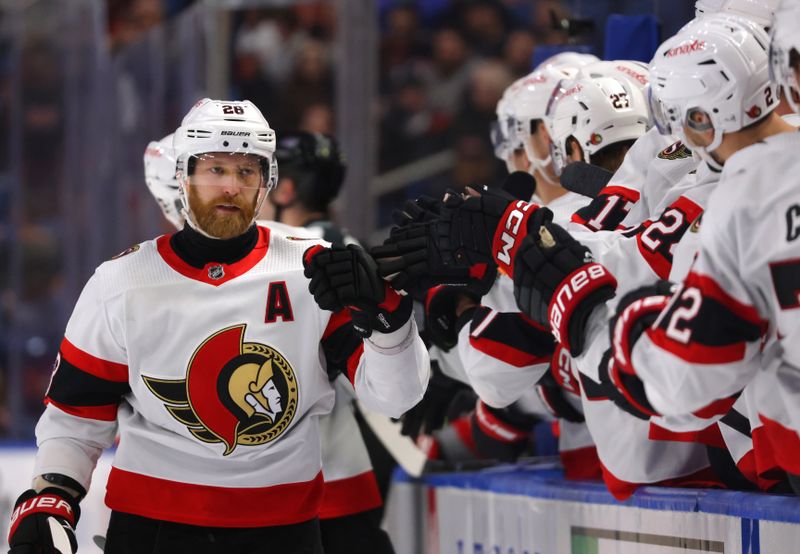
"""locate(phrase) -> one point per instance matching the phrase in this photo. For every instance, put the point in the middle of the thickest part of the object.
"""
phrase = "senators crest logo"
(235, 392)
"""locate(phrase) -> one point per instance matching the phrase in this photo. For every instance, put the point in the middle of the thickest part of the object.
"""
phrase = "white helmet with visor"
(159, 174)
(214, 127)
(596, 112)
(716, 65)
(784, 53)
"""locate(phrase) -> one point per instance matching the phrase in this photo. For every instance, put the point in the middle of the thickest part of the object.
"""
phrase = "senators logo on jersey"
(675, 151)
(235, 392)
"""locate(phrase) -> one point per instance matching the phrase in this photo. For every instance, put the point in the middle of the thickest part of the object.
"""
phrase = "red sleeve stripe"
(353, 361)
(617, 190)
(710, 436)
(496, 429)
(696, 353)
(718, 407)
(709, 287)
(106, 412)
(104, 369)
(506, 353)
(337, 319)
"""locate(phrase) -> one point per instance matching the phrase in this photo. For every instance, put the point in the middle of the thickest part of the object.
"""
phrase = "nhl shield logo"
(235, 392)
(216, 272)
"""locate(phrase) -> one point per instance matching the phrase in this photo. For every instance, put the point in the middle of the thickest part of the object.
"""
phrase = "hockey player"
(312, 170)
(187, 345)
(726, 116)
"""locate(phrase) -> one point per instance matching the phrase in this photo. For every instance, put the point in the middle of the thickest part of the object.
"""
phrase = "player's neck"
(548, 192)
(772, 125)
(198, 250)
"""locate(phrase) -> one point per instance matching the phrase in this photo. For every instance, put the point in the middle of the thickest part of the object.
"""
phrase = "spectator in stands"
(518, 52)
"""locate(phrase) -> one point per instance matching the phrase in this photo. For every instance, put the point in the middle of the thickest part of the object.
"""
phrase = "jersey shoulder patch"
(675, 151)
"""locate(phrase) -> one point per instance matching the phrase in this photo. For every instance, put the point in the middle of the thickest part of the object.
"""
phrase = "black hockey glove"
(44, 523)
(556, 386)
(347, 277)
(433, 410)
(486, 228)
(501, 434)
(441, 306)
(411, 261)
(636, 312)
(558, 284)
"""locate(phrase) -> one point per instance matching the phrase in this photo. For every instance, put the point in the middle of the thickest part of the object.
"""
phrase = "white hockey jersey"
(216, 378)
(743, 289)
(647, 172)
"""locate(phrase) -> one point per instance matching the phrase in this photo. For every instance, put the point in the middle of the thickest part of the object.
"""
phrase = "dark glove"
(637, 311)
(557, 383)
(486, 228)
(441, 304)
(557, 283)
(432, 411)
(347, 277)
(501, 434)
(30, 530)
(412, 262)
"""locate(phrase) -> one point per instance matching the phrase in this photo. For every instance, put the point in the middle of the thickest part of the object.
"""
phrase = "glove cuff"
(52, 500)
(631, 323)
(496, 428)
(511, 230)
(574, 299)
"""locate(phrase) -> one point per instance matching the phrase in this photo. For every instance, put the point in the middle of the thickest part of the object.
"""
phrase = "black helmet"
(316, 165)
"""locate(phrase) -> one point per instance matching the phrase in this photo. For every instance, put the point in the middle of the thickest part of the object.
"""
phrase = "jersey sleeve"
(702, 350)
(503, 354)
(389, 371)
(89, 382)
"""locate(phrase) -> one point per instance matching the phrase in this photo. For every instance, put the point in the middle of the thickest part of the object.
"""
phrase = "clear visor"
(782, 73)
(499, 139)
(558, 157)
(555, 98)
(229, 170)
(658, 114)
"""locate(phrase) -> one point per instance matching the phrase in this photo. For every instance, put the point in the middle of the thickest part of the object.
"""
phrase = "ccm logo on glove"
(508, 234)
(572, 289)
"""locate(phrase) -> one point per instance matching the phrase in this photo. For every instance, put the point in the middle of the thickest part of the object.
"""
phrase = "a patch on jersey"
(127, 251)
(696, 224)
(675, 151)
(216, 272)
(235, 392)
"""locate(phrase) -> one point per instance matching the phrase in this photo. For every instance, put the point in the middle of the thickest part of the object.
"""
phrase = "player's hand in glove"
(347, 277)
(557, 283)
(431, 413)
(486, 226)
(501, 434)
(637, 311)
(44, 523)
(447, 308)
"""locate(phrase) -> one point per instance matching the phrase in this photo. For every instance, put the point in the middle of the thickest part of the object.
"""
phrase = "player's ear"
(574, 150)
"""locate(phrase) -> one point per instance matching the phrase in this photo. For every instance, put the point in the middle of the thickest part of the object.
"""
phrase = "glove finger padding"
(557, 284)
(501, 434)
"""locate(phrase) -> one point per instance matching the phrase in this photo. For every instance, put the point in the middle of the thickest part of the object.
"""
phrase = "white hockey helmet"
(567, 59)
(785, 49)
(718, 65)
(758, 11)
(528, 104)
(159, 174)
(213, 126)
(499, 133)
(597, 112)
(636, 73)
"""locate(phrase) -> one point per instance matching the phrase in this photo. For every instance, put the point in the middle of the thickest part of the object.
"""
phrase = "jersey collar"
(214, 273)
